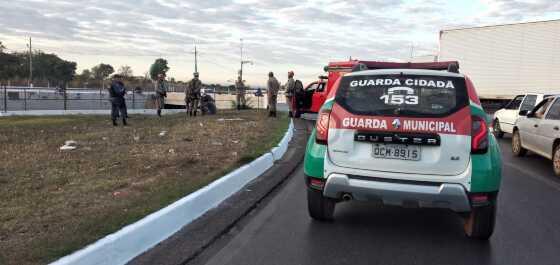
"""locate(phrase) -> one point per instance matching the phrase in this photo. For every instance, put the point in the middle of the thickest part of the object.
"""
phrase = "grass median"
(55, 202)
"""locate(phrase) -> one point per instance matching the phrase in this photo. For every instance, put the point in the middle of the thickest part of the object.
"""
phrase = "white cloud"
(302, 35)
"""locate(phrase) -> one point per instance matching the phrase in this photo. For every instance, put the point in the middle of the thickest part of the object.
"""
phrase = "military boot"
(115, 123)
(159, 113)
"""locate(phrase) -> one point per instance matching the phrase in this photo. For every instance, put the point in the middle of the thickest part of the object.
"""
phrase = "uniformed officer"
(117, 92)
(240, 89)
(161, 93)
(272, 94)
(290, 87)
(192, 95)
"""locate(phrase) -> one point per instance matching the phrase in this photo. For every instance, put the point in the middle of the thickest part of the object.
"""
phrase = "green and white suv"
(407, 137)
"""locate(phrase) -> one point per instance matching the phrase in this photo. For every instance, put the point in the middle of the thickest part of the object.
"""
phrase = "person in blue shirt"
(117, 91)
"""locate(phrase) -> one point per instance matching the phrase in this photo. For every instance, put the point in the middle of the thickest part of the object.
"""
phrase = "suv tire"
(479, 223)
(497, 129)
(556, 160)
(320, 207)
(516, 146)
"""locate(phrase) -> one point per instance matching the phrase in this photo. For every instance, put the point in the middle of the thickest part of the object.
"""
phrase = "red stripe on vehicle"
(458, 123)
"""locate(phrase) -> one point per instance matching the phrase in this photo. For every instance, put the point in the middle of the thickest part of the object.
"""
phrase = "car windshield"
(402, 95)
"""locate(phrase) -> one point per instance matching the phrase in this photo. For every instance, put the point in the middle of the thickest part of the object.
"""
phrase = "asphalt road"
(281, 232)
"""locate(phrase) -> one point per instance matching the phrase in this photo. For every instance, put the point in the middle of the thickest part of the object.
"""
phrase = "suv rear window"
(402, 95)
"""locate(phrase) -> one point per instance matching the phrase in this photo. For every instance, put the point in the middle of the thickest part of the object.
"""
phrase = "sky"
(278, 36)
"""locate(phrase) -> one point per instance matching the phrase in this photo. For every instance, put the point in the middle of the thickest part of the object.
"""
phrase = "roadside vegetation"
(54, 202)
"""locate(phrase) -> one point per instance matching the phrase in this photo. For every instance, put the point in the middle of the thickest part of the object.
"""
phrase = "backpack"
(298, 87)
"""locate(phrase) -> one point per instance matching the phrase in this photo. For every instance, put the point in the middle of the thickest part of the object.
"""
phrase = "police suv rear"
(406, 137)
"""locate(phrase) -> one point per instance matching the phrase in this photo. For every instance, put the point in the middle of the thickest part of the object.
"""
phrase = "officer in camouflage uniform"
(290, 92)
(192, 95)
(272, 94)
(240, 89)
(161, 93)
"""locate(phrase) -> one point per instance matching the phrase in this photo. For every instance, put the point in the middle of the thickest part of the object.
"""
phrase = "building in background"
(506, 60)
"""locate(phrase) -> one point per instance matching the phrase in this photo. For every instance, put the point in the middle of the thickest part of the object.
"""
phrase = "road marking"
(532, 175)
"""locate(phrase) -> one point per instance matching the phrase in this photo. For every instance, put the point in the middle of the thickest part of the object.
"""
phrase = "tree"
(65, 71)
(158, 67)
(125, 71)
(102, 71)
(9, 64)
(86, 75)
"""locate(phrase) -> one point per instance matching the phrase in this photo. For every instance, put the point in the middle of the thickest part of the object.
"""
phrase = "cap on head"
(161, 75)
(270, 74)
(195, 74)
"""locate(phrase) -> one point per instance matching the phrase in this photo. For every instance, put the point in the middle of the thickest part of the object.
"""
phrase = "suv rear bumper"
(401, 193)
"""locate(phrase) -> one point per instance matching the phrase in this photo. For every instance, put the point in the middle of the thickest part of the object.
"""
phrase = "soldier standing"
(272, 94)
(240, 88)
(192, 95)
(290, 87)
(161, 93)
(117, 92)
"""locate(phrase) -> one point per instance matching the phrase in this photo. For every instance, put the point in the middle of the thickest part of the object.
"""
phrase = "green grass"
(53, 203)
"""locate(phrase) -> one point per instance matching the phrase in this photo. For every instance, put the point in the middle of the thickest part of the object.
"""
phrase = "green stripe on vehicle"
(313, 164)
(486, 168)
(314, 160)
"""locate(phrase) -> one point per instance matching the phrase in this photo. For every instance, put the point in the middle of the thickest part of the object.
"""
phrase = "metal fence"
(43, 98)
(15, 98)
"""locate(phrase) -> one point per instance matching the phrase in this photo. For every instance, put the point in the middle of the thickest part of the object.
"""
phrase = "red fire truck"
(314, 95)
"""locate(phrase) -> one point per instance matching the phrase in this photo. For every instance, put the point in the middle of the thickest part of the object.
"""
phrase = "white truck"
(506, 61)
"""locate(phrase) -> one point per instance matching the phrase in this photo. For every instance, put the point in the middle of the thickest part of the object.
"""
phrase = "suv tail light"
(322, 126)
(479, 135)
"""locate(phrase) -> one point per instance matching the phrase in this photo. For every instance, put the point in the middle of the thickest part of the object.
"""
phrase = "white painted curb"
(134, 239)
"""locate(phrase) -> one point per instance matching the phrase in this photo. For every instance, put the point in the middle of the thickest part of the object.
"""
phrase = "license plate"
(397, 151)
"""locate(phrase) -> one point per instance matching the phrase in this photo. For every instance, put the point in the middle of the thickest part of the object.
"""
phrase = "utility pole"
(195, 60)
(242, 62)
(411, 50)
(30, 83)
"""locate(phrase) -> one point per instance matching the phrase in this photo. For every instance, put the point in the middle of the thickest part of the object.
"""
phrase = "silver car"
(539, 132)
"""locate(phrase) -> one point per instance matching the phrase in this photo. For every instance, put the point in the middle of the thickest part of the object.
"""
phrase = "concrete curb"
(132, 240)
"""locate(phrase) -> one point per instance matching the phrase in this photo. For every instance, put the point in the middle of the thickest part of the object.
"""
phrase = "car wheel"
(497, 129)
(516, 146)
(320, 207)
(480, 222)
(556, 161)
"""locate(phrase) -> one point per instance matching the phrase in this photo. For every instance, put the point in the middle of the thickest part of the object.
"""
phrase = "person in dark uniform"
(117, 92)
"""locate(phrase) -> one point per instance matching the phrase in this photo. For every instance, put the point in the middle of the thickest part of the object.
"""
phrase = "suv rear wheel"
(479, 223)
(319, 207)
(497, 129)
(556, 160)
(516, 146)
